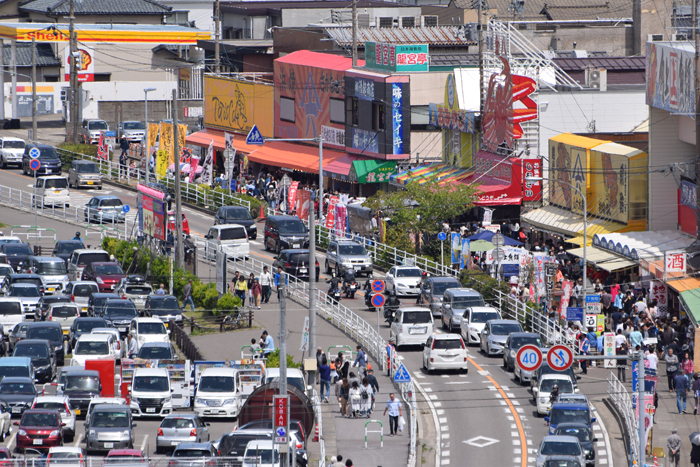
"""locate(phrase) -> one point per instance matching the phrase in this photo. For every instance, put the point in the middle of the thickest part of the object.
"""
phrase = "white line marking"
(514, 434)
(459, 382)
(484, 373)
(445, 436)
(78, 439)
(428, 390)
(517, 451)
(12, 440)
(516, 442)
(513, 426)
(515, 402)
(445, 462)
(432, 396)
(443, 420)
(441, 412)
(437, 404)
(143, 445)
(445, 453)
(445, 376)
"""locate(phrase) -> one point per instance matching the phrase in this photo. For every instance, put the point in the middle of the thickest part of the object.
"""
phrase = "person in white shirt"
(652, 361)
(266, 284)
(619, 339)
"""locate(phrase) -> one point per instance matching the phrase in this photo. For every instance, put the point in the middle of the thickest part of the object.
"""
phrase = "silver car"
(104, 209)
(345, 254)
(181, 428)
(495, 335)
(79, 292)
(133, 131)
(137, 292)
(28, 294)
(555, 445)
(110, 427)
(84, 174)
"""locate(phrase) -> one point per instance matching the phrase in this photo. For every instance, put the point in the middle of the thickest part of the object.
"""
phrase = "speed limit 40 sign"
(529, 357)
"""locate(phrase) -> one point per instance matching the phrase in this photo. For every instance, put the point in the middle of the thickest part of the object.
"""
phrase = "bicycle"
(231, 322)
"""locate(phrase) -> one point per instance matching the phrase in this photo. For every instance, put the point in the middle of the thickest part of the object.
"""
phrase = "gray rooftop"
(96, 7)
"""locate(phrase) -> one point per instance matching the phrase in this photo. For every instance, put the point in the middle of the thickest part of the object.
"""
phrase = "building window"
(378, 116)
(355, 111)
(287, 109)
(337, 111)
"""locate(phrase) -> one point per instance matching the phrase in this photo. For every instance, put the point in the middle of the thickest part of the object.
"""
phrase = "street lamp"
(148, 150)
(585, 218)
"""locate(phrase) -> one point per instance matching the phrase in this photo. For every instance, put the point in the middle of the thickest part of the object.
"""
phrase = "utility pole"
(2, 76)
(641, 408)
(312, 285)
(282, 290)
(179, 247)
(34, 135)
(74, 90)
(480, 36)
(354, 33)
(13, 64)
(217, 23)
(696, 59)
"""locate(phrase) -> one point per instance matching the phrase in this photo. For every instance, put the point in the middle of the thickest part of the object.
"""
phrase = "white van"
(261, 453)
(474, 320)
(52, 191)
(295, 377)
(151, 393)
(147, 330)
(412, 325)
(11, 151)
(81, 258)
(219, 393)
(229, 238)
(10, 313)
(93, 347)
(53, 272)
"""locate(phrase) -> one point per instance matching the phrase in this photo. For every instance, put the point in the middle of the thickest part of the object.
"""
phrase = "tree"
(424, 204)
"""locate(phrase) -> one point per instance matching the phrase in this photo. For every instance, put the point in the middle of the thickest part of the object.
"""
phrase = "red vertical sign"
(281, 418)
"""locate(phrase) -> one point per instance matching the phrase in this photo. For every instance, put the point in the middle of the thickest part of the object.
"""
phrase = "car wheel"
(278, 248)
(517, 377)
(328, 270)
(450, 327)
(4, 164)
(158, 449)
(265, 245)
(505, 364)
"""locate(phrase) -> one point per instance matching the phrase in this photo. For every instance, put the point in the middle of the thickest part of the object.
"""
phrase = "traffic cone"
(316, 434)
(262, 212)
(656, 462)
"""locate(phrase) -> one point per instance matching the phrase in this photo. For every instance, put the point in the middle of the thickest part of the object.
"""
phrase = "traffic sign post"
(281, 425)
(574, 313)
(254, 136)
(378, 301)
(34, 153)
(442, 236)
(402, 375)
(378, 286)
(34, 164)
(560, 358)
(529, 357)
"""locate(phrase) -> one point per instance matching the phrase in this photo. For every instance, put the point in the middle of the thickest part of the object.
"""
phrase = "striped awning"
(444, 173)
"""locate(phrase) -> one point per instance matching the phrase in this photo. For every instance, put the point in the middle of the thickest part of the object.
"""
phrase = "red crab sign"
(501, 120)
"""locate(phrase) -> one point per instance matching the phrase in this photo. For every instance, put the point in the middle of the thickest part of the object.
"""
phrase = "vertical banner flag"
(181, 135)
(455, 247)
(166, 142)
(330, 215)
(292, 196)
(102, 150)
(304, 197)
(161, 163)
(194, 165)
(488, 216)
(567, 286)
(465, 256)
(228, 138)
(208, 162)
(153, 131)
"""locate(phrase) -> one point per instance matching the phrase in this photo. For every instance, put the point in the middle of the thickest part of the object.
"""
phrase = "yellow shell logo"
(85, 60)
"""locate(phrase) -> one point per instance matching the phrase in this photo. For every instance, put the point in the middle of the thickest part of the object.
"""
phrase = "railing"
(183, 341)
(316, 401)
(622, 401)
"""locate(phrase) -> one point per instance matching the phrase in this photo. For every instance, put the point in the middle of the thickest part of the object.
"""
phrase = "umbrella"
(481, 245)
(695, 438)
(488, 235)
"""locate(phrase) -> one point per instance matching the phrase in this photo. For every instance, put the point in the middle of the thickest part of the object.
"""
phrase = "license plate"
(109, 445)
(66, 331)
(77, 411)
(302, 270)
(357, 268)
(90, 183)
(84, 308)
(57, 192)
(16, 410)
(296, 245)
(122, 329)
(51, 289)
(150, 410)
(214, 411)
(174, 443)
(38, 441)
(421, 330)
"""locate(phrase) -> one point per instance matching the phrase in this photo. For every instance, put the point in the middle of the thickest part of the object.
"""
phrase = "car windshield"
(92, 348)
(64, 458)
(52, 333)
(87, 326)
(232, 233)
(503, 329)
(111, 203)
(298, 258)
(82, 383)
(151, 384)
(517, 342)
(154, 353)
(216, 384)
(152, 328)
(64, 311)
(5, 270)
(47, 153)
(10, 308)
(439, 287)
(28, 280)
(483, 316)
(84, 290)
(351, 250)
(39, 419)
(121, 309)
(8, 240)
(417, 317)
(17, 388)
(86, 168)
(25, 292)
(260, 456)
(165, 304)
(68, 247)
(97, 125)
(110, 419)
(89, 258)
(560, 415)
(139, 289)
(54, 267)
(191, 453)
(108, 269)
(562, 448)
(178, 422)
(134, 126)
(56, 183)
(13, 144)
(12, 249)
(291, 227)
(464, 302)
(564, 385)
(237, 214)
(36, 351)
(408, 272)
(50, 405)
(447, 344)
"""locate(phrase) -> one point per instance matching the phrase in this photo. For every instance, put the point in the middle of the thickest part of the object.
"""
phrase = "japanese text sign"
(392, 57)
(281, 419)
(674, 262)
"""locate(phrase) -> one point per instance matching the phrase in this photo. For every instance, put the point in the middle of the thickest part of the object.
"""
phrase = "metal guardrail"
(316, 401)
(623, 402)
(184, 342)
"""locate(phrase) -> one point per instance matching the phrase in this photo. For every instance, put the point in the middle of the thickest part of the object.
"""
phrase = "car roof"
(574, 425)
(481, 309)
(103, 263)
(17, 379)
(44, 324)
(87, 318)
(51, 399)
(105, 330)
(161, 297)
(93, 338)
(413, 308)
(83, 162)
(105, 295)
(62, 304)
(466, 291)
(346, 242)
(235, 208)
(84, 372)
(111, 301)
(121, 452)
(279, 217)
(503, 321)
(39, 145)
(10, 299)
(447, 336)
(23, 285)
(191, 416)
(218, 371)
(443, 279)
(25, 275)
(560, 375)
(11, 138)
(227, 226)
(193, 446)
(66, 449)
(147, 320)
(121, 407)
(156, 344)
(297, 250)
(89, 250)
(32, 342)
(571, 405)
(260, 442)
(560, 438)
(47, 259)
(524, 334)
(293, 372)
(101, 197)
(150, 371)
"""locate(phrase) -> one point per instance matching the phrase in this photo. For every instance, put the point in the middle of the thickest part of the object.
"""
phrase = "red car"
(124, 456)
(5, 457)
(105, 274)
(173, 227)
(39, 429)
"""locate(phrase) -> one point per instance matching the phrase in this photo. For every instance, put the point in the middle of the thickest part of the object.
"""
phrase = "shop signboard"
(401, 58)
(236, 104)
(688, 206)
(397, 116)
(669, 78)
(568, 163)
(85, 64)
(532, 191)
(674, 262)
(153, 217)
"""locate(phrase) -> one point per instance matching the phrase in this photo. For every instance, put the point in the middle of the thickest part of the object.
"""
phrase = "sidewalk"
(341, 435)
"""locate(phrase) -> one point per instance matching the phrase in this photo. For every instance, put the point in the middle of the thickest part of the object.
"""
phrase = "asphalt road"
(484, 416)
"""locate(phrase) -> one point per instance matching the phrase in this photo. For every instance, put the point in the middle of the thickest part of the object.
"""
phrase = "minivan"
(50, 162)
(261, 453)
(151, 393)
(84, 174)
(433, 289)
(219, 393)
(11, 150)
(81, 386)
(81, 258)
(237, 215)
(454, 302)
(111, 427)
(52, 191)
(285, 232)
(232, 239)
(10, 313)
(53, 272)
(16, 366)
(411, 326)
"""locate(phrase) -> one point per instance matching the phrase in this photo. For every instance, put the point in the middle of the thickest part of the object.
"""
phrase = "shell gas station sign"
(86, 64)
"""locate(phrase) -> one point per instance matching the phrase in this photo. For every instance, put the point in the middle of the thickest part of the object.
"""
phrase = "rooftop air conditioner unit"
(680, 37)
(363, 20)
(408, 22)
(429, 21)
(597, 79)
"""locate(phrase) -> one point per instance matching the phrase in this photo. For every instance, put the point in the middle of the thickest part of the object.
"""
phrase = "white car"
(295, 377)
(11, 313)
(558, 446)
(474, 320)
(219, 393)
(543, 390)
(52, 191)
(66, 456)
(63, 313)
(412, 325)
(28, 294)
(62, 404)
(119, 347)
(151, 394)
(11, 151)
(93, 347)
(146, 330)
(261, 453)
(445, 352)
(404, 280)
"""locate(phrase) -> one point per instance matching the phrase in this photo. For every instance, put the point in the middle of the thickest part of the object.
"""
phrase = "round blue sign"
(34, 153)
(125, 208)
(442, 236)
(378, 300)
(34, 164)
(378, 286)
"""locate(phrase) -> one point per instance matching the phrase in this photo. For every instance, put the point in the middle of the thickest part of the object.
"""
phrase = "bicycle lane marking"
(516, 416)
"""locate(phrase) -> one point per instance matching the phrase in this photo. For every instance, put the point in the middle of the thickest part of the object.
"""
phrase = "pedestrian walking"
(342, 390)
(241, 289)
(674, 449)
(161, 290)
(365, 398)
(393, 406)
(187, 295)
(123, 157)
(279, 278)
(355, 399)
(360, 361)
(622, 364)
(132, 350)
(390, 349)
(348, 463)
(695, 455)
(584, 348)
(374, 384)
(696, 393)
(251, 281)
(687, 368)
(319, 359)
(681, 384)
(325, 371)
(256, 291)
(339, 461)
(266, 284)
(671, 368)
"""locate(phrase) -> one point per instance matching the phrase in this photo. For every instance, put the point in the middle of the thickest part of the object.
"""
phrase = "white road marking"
(254, 242)
(511, 395)
(484, 373)
(603, 461)
(516, 442)
(143, 445)
(517, 451)
(502, 402)
(445, 462)
(519, 410)
(513, 426)
(443, 420)
(445, 436)
(602, 452)
(481, 441)
(78, 439)
(441, 412)
(459, 382)
(514, 434)
(445, 453)
(432, 396)
(437, 404)
(428, 390)
(515, 402)
(12, 440)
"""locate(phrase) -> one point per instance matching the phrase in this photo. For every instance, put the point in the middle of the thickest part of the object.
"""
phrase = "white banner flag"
(208, 164)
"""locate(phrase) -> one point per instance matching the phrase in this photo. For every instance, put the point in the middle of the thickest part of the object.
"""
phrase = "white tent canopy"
(650, 245)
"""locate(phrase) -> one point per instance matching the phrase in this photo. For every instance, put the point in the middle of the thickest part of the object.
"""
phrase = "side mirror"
(63, 424)
(15, 423)
(594, 440)
(592, 419)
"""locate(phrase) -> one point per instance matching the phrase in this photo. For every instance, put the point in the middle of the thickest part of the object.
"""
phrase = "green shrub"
(273, 360)
(228, 302)
(211, 297)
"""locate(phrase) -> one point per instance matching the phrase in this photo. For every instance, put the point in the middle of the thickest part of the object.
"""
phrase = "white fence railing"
(316, 400)
(623, 402)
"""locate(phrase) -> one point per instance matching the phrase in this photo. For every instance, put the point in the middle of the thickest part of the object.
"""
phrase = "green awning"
(371, 171)
(691, 302)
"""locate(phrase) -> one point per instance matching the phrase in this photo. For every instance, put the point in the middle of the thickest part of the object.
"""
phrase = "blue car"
(568, 412)
(50, 162)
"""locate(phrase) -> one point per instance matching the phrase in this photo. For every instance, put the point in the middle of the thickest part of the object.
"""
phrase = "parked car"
(545, 369)
(104, 209)
(5, 427)
(232, 239)
(118, 349)
(585, 437)
(237, 215)
(495, 334)
(81, 386)
(111, 427)
(147, 330)
(63, 314)
(295, 377)
(181, 428)
(261, 453)
(193, 455)
(569, 412)
(295, 263)
(433, 290)
(50, 162)
(66, 456)
(295, 426)
(10, 313)
(17, 393)
(125, 458)
(39, 429)
(106, 275)
(43, 358)
(411, 326)
(151, 394)
(81, 258)
(219, 393)
(404, 280)
(133, 130)
(48, 300)
(20, 367)
(135, 289)
(99, 400)
(11, 151)
(64, 248)
(164, 307)
(284, 232)
(445, 352)
(84, 174)
(345, 254)
(90, 130)
(62, 405)
(51, 190)
(51, 332)
(545, 387)
(18, 332)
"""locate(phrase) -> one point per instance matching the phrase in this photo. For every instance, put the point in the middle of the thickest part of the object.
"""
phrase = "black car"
(237, 215)
(50, 162)
(294, 262)
(17, 393)
(284, 232)
(64, 248)
(97, 301)
(42, 355)
(51, 332)
(17, 333)
(12, 279)
(165, 307)
(584, 435)
(48, 300)
(17, 254)
(157, 351)
(118, 313)
(81, 387)
(84, 326)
